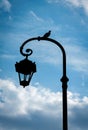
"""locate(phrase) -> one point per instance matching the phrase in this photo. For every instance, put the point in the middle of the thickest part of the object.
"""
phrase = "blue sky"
(39, 106)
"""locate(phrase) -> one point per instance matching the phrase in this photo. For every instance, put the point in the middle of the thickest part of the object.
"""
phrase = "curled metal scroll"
(27, 53)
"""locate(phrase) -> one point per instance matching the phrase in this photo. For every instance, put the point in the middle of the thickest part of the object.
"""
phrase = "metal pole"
(64, 100)
(65, 124)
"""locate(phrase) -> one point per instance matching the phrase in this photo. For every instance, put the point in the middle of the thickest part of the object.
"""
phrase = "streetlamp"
(27, 68)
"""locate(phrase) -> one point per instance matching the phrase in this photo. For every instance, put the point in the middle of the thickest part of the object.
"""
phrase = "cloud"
(76, 55)
(47, 53)
(39, 108)
(20, 95)
(79, 3)
(7, 56)
(76, 3)
(5, 5)
(35, 16)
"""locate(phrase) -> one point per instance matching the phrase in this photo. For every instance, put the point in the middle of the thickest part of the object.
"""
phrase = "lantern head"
(25, 69)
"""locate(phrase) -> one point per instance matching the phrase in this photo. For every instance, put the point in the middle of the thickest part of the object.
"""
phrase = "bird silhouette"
(47, 34)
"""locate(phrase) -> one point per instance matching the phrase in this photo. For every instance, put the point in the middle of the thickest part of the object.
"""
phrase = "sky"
(39, 105)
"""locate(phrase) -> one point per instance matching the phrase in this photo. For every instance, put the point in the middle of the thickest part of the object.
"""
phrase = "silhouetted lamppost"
(27, 68)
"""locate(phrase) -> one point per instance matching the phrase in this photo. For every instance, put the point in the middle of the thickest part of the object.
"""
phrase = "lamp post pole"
(64, 78)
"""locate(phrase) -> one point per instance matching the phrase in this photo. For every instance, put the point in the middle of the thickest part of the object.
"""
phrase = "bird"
(46, 35)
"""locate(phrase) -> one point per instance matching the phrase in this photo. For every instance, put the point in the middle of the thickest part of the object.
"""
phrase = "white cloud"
(5, 5)
(7, 56)
(35, 16)
(76, 3)
(37, 107)
(80, 3)
(76, 55)
(18, 99)
(47, 53)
